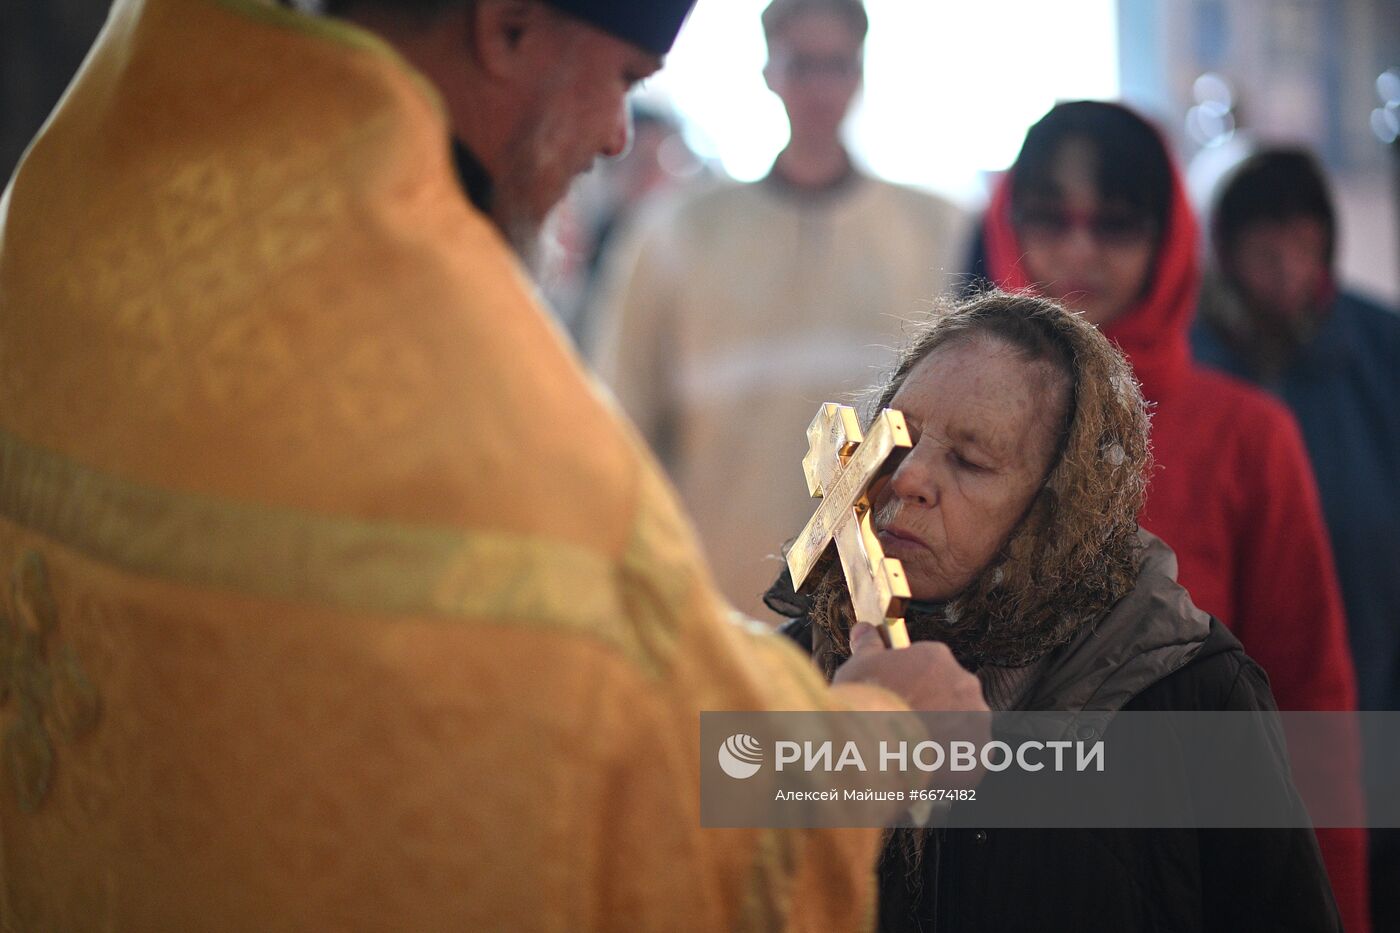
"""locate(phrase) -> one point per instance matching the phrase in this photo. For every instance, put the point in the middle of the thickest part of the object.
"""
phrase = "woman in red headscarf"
(1093, 214)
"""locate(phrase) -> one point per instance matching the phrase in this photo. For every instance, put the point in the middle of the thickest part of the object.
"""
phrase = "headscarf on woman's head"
(1075, 552)
(1154, 332)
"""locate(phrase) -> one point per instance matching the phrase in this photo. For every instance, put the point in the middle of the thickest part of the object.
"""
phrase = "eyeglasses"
(810, 67)
(1107, 228)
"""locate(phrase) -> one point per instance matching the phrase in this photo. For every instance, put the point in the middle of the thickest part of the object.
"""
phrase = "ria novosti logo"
(740, 756)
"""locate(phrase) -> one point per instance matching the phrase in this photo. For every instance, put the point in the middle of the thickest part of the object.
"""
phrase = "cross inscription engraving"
(841, 464)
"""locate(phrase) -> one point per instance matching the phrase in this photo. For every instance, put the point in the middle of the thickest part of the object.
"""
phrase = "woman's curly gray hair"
(1075, 551)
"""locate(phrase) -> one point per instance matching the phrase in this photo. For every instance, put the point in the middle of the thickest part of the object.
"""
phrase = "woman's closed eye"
(964, 461)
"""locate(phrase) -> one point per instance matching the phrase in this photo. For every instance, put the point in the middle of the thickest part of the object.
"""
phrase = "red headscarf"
(1154, 332)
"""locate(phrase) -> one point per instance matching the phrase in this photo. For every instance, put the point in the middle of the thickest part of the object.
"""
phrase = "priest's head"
(535, 89)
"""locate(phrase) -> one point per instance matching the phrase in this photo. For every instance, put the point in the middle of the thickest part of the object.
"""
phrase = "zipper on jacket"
(937, 873)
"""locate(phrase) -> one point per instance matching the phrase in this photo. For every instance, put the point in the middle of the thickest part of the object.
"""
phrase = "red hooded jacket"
(1233, 494)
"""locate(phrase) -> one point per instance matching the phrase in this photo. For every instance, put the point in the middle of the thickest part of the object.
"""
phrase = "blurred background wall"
(951, 88)
(1297, 71)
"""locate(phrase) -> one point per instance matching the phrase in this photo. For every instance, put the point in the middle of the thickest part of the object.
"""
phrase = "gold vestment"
(333, 596)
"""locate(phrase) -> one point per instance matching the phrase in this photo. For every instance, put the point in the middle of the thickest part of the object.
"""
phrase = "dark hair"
(1133, 167)
(781, 12)
(1270, 186)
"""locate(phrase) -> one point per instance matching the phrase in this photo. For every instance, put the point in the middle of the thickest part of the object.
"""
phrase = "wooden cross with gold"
(841, 464)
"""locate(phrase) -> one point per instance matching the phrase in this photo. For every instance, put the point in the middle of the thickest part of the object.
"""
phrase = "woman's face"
(1091, 256)
(983, 422)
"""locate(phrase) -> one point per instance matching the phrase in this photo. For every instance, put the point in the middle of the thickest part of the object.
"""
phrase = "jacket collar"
(1149, 634)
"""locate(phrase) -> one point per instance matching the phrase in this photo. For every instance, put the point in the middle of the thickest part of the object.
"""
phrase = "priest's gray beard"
(522, 229)
(539, 166)
(535, 243)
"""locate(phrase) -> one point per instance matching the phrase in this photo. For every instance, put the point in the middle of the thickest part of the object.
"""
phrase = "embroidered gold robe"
(334, 598)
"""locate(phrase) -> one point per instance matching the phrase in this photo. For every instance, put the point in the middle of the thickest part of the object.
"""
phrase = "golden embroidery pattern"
(339, 561)
(47, 682)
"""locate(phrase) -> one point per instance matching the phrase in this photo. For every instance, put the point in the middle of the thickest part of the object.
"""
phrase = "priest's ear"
(513, 38)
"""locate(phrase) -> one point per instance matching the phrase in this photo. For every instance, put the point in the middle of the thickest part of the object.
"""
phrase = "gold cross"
(841, 464)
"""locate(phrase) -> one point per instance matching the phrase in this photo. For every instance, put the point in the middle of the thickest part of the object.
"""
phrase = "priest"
(334, 597)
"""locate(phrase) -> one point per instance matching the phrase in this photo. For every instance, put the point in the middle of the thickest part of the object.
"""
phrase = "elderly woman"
(1015, 517)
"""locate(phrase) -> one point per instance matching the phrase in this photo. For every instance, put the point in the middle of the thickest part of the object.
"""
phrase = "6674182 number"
(944, 794)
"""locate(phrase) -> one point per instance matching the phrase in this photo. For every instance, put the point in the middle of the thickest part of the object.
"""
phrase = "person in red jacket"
(1093, 213)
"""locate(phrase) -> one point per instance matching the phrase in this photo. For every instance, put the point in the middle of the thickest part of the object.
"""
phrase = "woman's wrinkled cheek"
(949, 567)
(955, 568)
